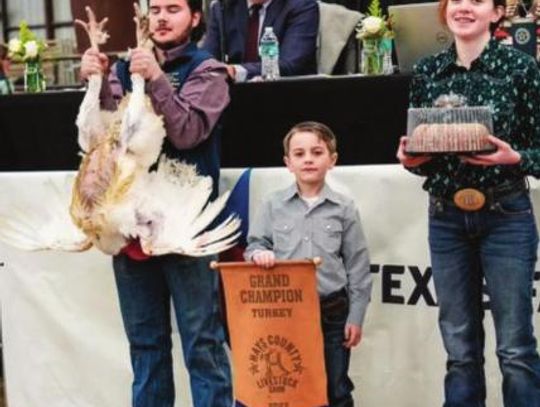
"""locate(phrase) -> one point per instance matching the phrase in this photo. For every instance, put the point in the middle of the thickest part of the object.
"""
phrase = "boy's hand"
(353, 334)
(264, 258)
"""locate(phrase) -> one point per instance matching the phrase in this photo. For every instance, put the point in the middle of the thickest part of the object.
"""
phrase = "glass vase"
(34, 81)
(5, 86)
(371, 57)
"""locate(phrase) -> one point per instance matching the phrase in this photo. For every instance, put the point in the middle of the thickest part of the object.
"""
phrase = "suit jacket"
(295, 23)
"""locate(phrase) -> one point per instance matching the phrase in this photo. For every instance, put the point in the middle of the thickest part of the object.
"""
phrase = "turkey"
(116, 199)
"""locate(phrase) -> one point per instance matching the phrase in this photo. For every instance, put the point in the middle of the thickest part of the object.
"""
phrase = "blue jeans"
(497, 243)
(334, 312)
(145, 290)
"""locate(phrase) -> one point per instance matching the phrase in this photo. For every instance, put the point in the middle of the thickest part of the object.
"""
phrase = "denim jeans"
(497, 243)
(145, 290)
(336, 356)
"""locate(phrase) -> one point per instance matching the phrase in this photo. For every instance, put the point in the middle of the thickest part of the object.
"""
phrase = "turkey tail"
(35, 227)
(215, 241)
(185, 213)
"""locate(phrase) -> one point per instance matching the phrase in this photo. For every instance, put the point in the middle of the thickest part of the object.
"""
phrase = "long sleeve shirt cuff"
(357, 312)
(248, 255)
(240, 74)
(527, 163)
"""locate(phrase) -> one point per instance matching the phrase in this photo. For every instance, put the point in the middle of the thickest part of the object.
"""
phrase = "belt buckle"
(469, 199)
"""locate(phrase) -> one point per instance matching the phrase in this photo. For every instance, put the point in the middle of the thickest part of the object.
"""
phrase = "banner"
(523, 32)
(69, 302)
(276, 337)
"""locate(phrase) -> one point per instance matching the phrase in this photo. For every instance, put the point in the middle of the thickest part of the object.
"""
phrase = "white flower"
(372, 25)
(14, 45)
(31, 49)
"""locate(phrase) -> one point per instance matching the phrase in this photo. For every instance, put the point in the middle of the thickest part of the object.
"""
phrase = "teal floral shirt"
(502, 78)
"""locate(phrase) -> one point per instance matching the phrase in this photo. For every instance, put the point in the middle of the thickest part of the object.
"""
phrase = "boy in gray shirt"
(309, 219)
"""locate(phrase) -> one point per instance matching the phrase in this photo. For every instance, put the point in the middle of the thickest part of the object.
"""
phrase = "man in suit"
(235, 27)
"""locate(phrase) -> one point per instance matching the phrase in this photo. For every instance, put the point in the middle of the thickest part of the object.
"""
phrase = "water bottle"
(386, 49)
(269, 53)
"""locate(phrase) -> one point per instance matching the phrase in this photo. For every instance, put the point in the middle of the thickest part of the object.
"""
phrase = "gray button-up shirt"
(330, 229)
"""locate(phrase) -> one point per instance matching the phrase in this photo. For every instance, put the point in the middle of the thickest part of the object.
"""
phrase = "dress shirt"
(330, 229)
(262, 12)
(252, 37)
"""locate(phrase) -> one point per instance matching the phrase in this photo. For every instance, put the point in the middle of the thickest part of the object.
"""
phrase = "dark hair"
(322, 131)
(196, 6)
(443, 4)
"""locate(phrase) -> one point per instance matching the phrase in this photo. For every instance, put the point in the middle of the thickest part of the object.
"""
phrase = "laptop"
(418, 32)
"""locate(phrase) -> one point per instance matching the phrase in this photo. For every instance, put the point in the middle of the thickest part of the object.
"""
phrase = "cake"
(449, 138)
(462, 130)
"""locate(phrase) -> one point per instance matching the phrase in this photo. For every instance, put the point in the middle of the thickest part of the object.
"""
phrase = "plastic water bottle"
(386, 49)
(269, 53)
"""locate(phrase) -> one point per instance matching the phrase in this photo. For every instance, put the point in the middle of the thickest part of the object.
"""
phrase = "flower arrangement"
(28, 50)
(375, 26)
(27, 47)
(376, 34)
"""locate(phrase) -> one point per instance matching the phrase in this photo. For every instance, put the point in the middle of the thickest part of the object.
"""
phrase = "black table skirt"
(368, 114)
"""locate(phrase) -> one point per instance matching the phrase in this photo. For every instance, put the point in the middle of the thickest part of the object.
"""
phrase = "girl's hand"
(408, 160)
(505, 155)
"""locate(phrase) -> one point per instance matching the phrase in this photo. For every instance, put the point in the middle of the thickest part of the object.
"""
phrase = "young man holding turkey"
(189, 89)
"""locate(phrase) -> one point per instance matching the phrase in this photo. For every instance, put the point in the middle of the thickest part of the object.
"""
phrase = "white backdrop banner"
(64, 343)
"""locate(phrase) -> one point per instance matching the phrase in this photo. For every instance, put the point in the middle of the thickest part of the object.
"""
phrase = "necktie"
(252, 40)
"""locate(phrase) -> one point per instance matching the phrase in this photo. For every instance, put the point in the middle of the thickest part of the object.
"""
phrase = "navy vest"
(206, 155)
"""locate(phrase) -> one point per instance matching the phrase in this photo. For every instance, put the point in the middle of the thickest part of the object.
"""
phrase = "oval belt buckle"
(469, 199)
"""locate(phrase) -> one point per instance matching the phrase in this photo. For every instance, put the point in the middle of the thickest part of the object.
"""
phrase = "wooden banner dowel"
(215, 265)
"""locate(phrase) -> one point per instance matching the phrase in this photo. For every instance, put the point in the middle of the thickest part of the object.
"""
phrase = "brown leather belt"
(472, 199)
